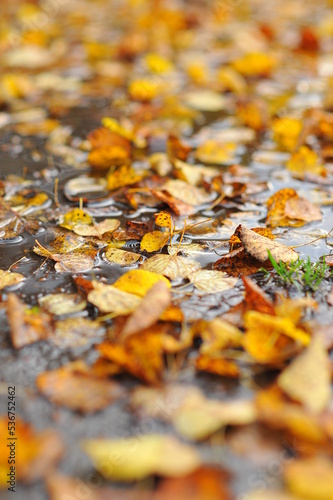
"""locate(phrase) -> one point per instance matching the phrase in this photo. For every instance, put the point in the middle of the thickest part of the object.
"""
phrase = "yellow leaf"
(134, 458)
(110, 299)
(122, 257)
(303, 161)
(144, 90)
(171, 266)
(308, 378)
(123, 176)
(154, 241)
(139, 281)
(76, 216)
(310, 478)
(164, 219)
(286, 132)
(158, 64)
(254, 64)
(7, 278)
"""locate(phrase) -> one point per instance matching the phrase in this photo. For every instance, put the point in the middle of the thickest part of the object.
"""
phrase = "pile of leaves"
(165, 225)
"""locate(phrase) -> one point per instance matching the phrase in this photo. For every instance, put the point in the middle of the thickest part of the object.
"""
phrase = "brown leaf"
(74, 387)
(256, 299)
(257, 246)
(149, 311)
(26, 325)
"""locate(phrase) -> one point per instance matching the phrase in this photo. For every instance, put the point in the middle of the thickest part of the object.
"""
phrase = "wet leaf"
(154, 241)
(308, 378)
(62, 303)
(122, 257)
(257, 246)
(140, 354)
(74, 387)
(75, 332)
(139, 281)
(110, 299)
(206, 281)
(310, 478)
(39, 452)
(123, 176)
(26, 325)
(205, 482)
(149, 311)
(171, 266)
(160, 455)
(286, 208)
(10, 279)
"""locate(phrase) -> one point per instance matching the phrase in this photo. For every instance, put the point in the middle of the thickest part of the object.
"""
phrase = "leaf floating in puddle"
(207, 281)
(10, 279)
(122, 257)
(171, 266)
(140, 281)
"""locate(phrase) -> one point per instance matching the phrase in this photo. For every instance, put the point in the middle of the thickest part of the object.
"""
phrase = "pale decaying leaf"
(187, 249)
(134, 458)
(308, 378)
(73, 332)
(150, 309)
(74, 387)
(62, 303)
(110, 299)
(171, 266)
(191, 195)
(207, 281)
(122, 257)
(257, 246)
(7, 278)
(205, 100)
(193, 416)
(106, 226)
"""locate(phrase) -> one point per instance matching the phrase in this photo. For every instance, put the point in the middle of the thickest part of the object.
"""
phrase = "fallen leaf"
(286, 208)
(72, 386)
(218, 365)
(139, 281)
(149, 311)
(39, 452)
(257, 246)
(121, 257)
(205, 482)
(26, 325)
(207, 281)
(308, 378)
(256, 299)
(171, 266)
(140, 354)
(74, 332)
(110, 299)
(62, 303)
(310, 478)
(160, 455)
(123, 176)
(10, 279)
(154, 241)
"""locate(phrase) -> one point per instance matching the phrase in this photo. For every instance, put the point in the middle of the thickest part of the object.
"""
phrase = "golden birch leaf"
(122, 257)
(154, 241)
